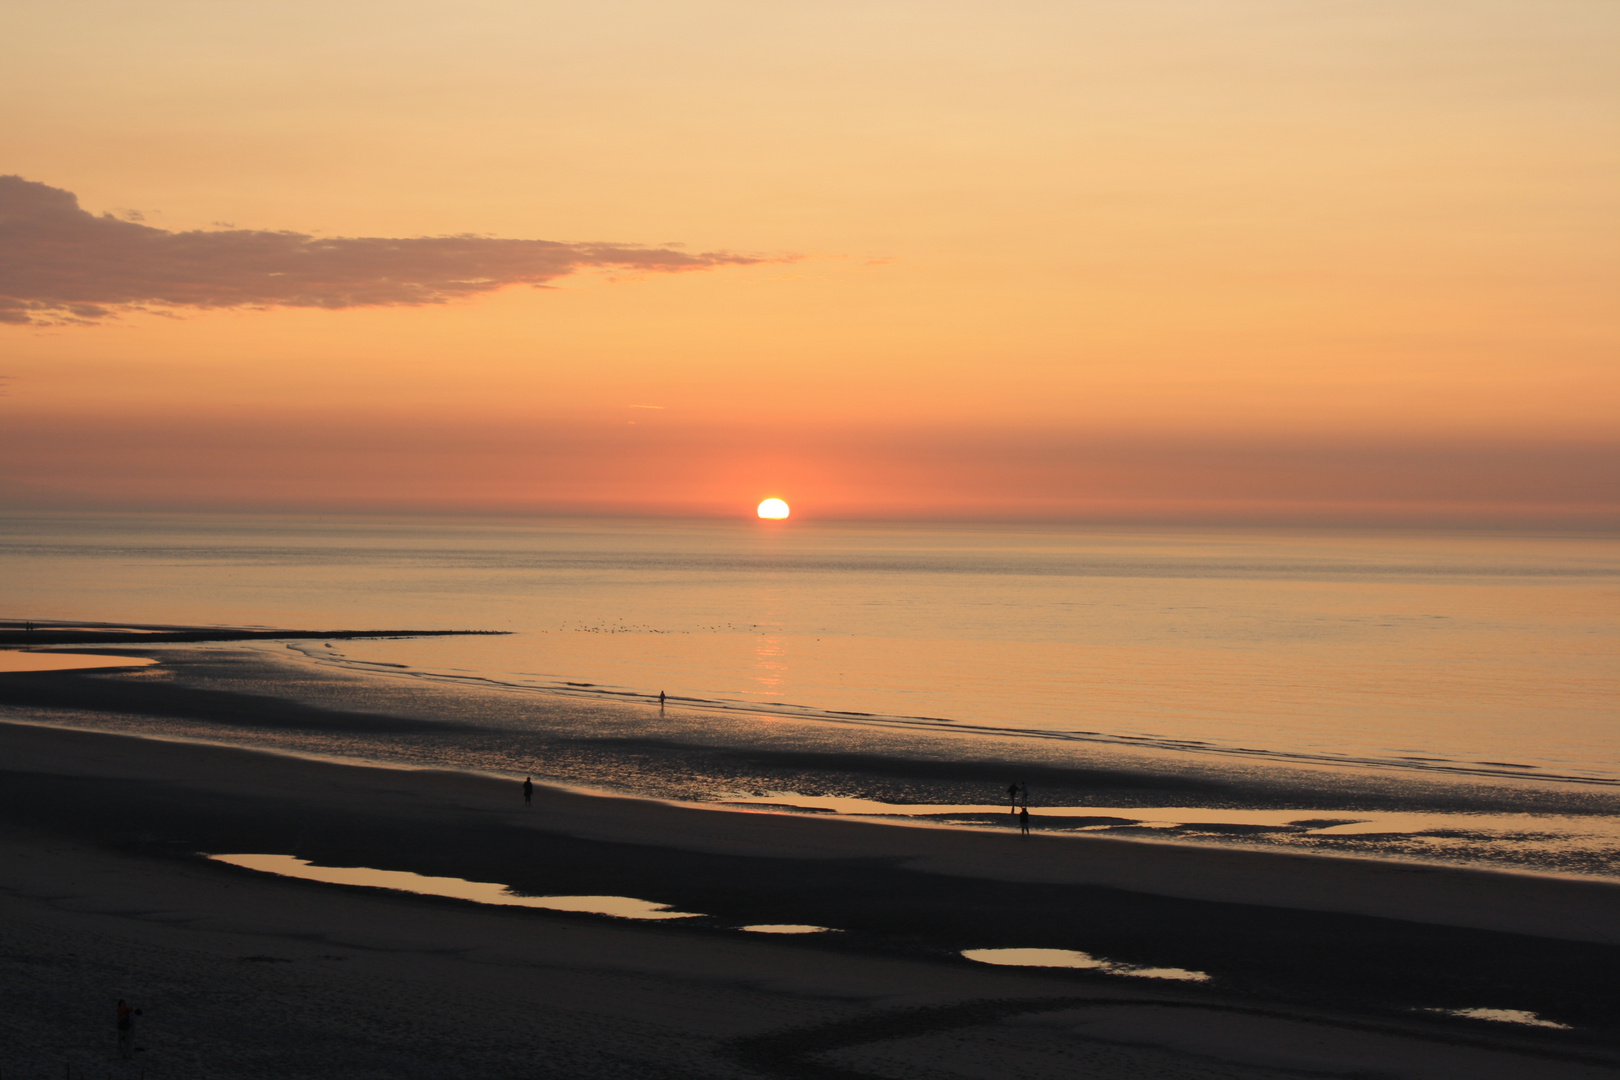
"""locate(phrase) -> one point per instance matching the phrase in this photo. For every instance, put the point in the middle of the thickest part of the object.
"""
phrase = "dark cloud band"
(60, 263)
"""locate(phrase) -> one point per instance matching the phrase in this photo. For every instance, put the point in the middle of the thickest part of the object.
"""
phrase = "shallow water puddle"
(13, 660)
(1138, 817)
(1504, 1016)
(1069, 958)
(1114, 817)
(483, 892)
(786, 928)
(1547, 832)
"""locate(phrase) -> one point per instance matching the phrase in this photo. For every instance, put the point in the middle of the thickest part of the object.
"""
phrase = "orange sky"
(1188, 260)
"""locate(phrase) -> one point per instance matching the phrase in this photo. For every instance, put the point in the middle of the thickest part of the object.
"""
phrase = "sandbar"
(28, 660)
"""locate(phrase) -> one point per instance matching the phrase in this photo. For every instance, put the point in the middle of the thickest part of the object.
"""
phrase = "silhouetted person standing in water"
(1012, 798)
(528, 791)
(1023, 794)
(1023, 820)
(660, 701)
(126, 1028)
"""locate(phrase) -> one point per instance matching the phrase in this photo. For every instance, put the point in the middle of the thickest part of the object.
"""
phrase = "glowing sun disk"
(773, 508)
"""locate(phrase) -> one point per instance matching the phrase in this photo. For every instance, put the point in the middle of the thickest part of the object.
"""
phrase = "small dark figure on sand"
(660, 701)
(528, 791)
(1012, 798)
(1023, 794)
(1023, 820)
(126, 1028)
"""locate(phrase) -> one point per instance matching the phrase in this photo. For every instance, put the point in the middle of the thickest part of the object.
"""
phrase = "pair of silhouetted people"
(1018, 803)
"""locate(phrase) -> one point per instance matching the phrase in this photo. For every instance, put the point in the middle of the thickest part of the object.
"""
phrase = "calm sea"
(1141, 674)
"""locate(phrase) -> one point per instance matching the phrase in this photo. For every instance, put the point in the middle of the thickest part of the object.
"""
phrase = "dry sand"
(1318, 964)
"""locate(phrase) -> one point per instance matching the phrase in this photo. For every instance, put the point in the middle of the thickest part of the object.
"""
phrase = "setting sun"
(773, 508)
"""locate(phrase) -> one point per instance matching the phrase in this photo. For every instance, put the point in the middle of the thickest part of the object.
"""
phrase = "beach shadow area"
(109, 892)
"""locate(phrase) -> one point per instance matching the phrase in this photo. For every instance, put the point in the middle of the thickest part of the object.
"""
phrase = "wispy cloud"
(61, 264)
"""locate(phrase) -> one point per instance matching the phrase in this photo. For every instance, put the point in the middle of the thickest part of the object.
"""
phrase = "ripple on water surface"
(483, 892)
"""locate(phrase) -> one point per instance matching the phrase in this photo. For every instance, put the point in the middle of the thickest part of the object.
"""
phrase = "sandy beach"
(868, 540)
(1320, 965)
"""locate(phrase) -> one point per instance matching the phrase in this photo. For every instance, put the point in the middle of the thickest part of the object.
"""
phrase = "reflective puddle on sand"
(786, 928)
(12, 660)
(1504, 1016)
(1164, 817)
(1308, 822)
(483, 892)
(1553, 843)
(1068, 958)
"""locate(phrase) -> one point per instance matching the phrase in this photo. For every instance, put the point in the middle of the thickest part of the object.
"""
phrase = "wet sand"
(1317, 964)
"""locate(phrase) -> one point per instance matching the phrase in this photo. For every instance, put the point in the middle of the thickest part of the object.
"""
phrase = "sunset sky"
(1207, 260)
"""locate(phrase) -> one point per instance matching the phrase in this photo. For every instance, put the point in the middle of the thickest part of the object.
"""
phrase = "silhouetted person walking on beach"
(1023, 794)
(1012, 798)
(528, 791)
(1023, 820)
(660, 701)
(126, 1028)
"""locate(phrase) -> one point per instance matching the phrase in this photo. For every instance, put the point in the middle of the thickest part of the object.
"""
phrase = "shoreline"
(1370, 866)
(1544, 905)
(257, 698)
(1441, 770)
(1499, 772)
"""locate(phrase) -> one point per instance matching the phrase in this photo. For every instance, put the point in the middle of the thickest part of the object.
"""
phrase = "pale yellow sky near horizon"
(1284, 226)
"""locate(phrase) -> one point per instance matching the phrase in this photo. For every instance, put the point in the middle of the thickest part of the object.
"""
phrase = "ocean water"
(1419, 695)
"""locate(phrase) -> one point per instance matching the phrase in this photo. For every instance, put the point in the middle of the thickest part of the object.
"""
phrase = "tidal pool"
(483, 892)
(1069, 958)
(1504, 1016)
